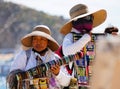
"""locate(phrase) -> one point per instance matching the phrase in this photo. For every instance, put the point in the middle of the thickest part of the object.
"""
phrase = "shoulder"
(23, 53)
(52, 55)
(50, 52)
(69, 34)
(28, 52)
(20, 53)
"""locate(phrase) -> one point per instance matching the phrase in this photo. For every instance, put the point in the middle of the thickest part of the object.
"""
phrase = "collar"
(41, 52)
(74, 30)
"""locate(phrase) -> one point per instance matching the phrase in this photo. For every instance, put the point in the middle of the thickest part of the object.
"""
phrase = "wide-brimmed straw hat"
(43, 31)
(80, 11)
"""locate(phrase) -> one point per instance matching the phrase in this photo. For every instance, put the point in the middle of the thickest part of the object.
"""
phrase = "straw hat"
(80, 11)
(43, 31)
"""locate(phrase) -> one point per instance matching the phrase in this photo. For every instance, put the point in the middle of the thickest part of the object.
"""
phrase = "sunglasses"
(87, 19)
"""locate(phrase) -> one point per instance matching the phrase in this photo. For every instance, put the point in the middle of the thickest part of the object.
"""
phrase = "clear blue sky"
(62, 7)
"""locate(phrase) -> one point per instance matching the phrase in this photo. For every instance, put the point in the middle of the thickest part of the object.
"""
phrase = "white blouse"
(20, 60)
(71, 48)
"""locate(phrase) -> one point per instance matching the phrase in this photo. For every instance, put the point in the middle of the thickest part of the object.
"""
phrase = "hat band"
(78, 12)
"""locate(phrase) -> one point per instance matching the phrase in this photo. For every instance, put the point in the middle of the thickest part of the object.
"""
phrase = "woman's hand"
(55, 69)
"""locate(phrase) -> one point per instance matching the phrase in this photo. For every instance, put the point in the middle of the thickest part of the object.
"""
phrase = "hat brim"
(27, 40)
(99, 18)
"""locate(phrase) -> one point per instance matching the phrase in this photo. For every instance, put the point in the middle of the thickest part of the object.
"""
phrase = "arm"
(19, 61)
(16, 67)
(63, 77)
(71, 48)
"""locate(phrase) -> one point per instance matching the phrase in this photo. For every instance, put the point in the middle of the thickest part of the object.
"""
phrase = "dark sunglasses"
(86, 19)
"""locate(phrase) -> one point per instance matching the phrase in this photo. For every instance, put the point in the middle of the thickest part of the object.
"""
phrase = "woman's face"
(83, 25)
(39, 43)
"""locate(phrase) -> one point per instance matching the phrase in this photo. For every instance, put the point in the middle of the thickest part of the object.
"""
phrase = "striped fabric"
(82, 68)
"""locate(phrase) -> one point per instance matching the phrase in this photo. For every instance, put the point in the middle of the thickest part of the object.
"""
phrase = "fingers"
(55, 69)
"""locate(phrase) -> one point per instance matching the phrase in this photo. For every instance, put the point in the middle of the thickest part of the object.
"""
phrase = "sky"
(62, 7)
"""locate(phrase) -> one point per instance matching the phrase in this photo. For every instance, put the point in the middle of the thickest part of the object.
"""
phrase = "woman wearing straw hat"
(79, 27)
(41, 50)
